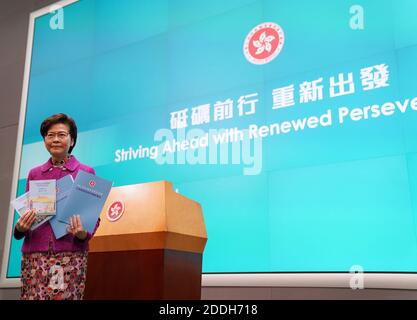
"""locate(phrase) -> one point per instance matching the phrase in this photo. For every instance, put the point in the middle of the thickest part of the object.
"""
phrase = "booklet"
(42, 196)
(86, 198)
(63, 188)
(40, 220)
(21, 204)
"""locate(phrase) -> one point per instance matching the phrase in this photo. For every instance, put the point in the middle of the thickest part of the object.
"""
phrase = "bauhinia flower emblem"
(115, 210)
(263, 43)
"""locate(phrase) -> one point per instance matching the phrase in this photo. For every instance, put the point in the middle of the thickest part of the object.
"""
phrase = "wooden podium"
(149, 245)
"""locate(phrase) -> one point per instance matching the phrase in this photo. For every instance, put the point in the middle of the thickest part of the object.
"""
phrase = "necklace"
(61, 162)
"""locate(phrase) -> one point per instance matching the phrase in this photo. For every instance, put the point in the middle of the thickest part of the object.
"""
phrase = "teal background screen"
(325, 199)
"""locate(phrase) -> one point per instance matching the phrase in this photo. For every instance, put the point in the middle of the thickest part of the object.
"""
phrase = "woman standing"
(54, 269)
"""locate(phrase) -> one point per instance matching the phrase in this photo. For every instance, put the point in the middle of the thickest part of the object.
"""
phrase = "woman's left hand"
(76, 227)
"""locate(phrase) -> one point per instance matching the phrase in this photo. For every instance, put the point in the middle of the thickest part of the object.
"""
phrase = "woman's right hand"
(26, 220)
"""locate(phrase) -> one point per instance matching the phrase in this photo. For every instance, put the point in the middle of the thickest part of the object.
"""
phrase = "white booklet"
(42, 196)
(21, 204)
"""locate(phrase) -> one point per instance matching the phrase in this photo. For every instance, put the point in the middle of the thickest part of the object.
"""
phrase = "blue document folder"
(86, 198)
(63, 188)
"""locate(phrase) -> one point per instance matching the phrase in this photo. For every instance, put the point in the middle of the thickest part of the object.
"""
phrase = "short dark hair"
(60, 118)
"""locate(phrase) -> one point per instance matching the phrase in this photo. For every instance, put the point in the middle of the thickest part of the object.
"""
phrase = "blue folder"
(86, 198)
(63, 188)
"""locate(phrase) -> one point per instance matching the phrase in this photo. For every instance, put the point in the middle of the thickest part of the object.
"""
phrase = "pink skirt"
(53, 276)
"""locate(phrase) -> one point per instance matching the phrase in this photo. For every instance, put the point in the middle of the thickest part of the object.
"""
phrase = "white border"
(4, 281)
(316, 280)
(328, 280)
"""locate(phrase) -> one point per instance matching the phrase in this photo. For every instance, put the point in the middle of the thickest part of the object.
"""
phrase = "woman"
(54, 268)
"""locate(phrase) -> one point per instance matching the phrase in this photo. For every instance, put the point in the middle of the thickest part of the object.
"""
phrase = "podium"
(149, 245)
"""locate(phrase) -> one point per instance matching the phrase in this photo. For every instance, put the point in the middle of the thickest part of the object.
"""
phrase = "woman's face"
(58, 140)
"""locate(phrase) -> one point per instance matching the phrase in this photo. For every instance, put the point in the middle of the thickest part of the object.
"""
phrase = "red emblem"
(92, 183)
(263, 43)
(115, 211)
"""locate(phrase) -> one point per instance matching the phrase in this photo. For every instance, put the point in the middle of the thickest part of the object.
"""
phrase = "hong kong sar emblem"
(263, 43)
(115, 210)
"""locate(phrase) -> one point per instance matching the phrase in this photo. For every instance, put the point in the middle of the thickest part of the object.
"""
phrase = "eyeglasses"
(62, 135)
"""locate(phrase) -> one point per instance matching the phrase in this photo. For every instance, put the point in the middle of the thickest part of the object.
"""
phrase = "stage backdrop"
(293, 123)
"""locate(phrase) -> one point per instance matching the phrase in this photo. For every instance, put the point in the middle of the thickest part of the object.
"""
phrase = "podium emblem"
(115, 211)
